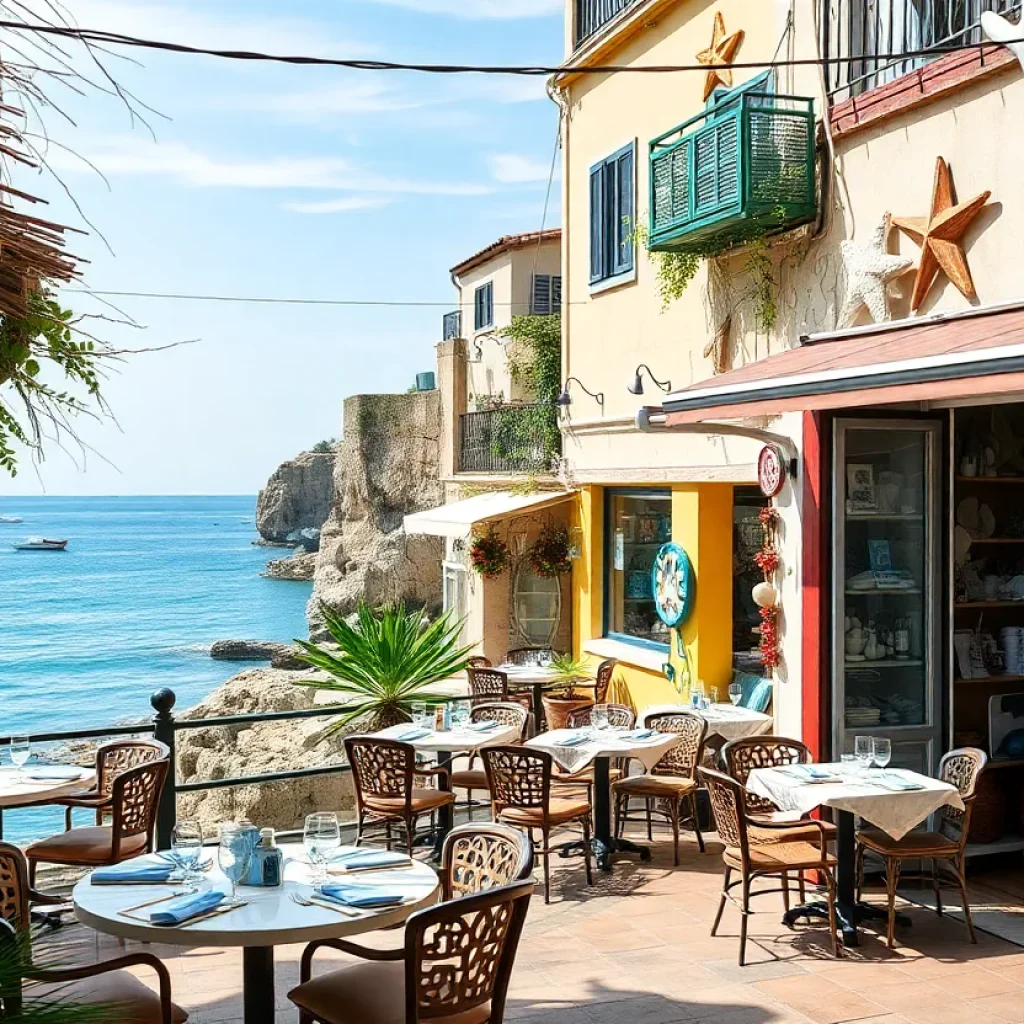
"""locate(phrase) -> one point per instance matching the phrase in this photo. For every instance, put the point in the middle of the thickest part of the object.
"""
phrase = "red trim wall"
(814, 609)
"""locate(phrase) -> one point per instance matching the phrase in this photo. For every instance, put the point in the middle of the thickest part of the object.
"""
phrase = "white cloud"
(503, 9)
(515, 169)
(366, 97)
(340, 205)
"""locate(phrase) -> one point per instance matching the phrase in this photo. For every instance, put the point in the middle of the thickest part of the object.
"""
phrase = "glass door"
(886, 678)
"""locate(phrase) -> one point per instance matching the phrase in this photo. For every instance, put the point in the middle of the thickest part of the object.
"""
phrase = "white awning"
(459, 518)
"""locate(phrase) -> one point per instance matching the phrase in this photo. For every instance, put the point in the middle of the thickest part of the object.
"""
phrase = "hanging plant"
(549, 555)
(489, 555)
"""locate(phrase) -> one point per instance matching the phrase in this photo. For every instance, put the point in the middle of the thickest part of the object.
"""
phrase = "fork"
(302, 901)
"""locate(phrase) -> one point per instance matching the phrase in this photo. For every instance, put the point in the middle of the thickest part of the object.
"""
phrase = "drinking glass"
(419, 713)
(862, 751)
(321, 837)
(881, 751)
(460, 715)
(21, 750)
(713, 695)
(736, 692)
(599, 716)
(187, 849)
(849, 762)
(233, 855)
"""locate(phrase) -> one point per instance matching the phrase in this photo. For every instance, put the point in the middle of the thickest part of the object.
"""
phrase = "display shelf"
(987, 604)
(992, 679)
(852, 666)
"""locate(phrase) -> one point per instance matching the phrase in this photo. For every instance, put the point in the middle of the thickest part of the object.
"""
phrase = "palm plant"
(569, 670)
(385, 661)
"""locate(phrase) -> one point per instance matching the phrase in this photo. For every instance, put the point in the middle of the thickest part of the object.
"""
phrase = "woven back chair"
(480, 856)
(455, 966)
(528, 655)
(619, 716)
(478, 661)
(487, 685)
(753, 853)
(682, 760)
(519, 780)
(507, 713)
(603, 680)
(742, 756)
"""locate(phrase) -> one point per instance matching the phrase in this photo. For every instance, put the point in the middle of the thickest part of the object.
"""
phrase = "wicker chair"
(384, 774)
(478, 661)
(134, 796)
(753, 855)
(103, 984)
(528, 655)
(480, 856)
(603, 680)
(519, 780)
(112, 759)
(454, 967)
(507, 713)
(487, 685)
(960, 768)
(671, 781)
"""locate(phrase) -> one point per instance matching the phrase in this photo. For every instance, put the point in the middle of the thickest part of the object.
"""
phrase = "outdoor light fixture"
(565, 398)
(637, 387)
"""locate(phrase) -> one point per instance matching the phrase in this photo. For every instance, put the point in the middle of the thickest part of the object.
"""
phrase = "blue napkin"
(415, 733)
(179, 911)
(358, 860)
(122, 874)
(808, 772)
(574, 740)
(55, 772)
(363, 897)
(893, 782)
(483, 726)
(639, 734)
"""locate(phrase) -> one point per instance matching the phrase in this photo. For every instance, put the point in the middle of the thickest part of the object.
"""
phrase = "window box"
(743, 165)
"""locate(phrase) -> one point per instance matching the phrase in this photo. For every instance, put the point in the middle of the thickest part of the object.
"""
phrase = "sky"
(267, 180)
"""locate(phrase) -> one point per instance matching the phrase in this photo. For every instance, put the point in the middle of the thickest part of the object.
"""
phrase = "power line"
(119, 39)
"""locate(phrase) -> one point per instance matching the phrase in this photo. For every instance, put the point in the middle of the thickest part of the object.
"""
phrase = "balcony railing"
(510, 439)
(591, 15)
(451, 325)
(743, 166)
(877, 30)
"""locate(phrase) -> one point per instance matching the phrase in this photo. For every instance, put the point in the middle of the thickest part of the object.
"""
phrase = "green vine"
(761, 271)
(535, 357)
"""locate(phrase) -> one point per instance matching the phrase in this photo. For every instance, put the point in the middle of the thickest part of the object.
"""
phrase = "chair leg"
(831, 895)
(469, 805)
(961, 878)
(743, 920)
(785, 891)
(858, 873)
(672, 806)
(387, 835)
(721, 902)
(32, 864)
(892, 881)
(650, 835)
(410, 834)
(696, 822)
(546, 838)
(67, 819)
(359, 828)
(802, 887)
(588, 852)
(617, 821)
(935, 886)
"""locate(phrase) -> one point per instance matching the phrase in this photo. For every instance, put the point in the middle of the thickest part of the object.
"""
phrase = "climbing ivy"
(535, 355)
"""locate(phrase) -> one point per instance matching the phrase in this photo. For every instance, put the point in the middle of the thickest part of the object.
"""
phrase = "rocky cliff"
(298, 497)
(387, 466)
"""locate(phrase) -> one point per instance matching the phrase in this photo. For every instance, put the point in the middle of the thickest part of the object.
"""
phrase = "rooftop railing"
(592, 15)
(509, 439)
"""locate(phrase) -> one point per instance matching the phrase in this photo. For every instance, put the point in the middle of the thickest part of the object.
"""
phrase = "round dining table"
(270, 917)
(19, 789)
(537, 679)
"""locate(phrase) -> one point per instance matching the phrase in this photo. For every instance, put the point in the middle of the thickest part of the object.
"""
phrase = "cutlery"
(215, 912)
(127, 912)
(304, 902)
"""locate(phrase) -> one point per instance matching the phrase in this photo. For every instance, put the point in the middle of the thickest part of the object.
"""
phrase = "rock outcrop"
(300, 566)
(387, 466)
(297, 499)
(246, 650)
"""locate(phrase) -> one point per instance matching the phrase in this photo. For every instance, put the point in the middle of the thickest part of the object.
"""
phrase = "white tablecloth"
(607, 743)
(454, 740)
(893, 811)
(731, 723)
(19, 789)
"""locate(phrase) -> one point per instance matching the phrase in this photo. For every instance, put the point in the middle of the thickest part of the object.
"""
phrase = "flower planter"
(558, 709)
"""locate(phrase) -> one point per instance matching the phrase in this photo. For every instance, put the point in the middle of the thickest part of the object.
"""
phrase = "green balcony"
(743, 167)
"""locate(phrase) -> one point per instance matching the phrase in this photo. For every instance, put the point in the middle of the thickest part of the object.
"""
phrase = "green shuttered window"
(612, 215)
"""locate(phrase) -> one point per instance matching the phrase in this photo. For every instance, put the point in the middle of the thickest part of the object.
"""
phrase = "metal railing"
(873, 31)
(451, 325)
(592, 15)
(509, 439)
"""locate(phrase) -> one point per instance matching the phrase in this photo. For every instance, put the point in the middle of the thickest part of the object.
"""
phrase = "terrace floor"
(635, 948)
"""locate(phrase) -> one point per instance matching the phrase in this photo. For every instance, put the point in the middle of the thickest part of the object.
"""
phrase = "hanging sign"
(771, 471)
(673, 585)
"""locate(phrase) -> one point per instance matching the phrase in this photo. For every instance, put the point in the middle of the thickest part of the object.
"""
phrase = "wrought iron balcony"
(592, 15)
(452, 325)
(740, 168)
(510, 439)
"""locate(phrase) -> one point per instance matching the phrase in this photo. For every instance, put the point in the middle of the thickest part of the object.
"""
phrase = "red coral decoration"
(770, 652)
(549, 556)
(768, 560)
(489, 555)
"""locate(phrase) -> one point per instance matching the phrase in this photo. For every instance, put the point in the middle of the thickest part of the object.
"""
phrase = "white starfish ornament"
(1000, 30)
(869, 269)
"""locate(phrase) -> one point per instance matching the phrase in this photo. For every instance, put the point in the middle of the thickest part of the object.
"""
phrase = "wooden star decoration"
(940, 236)
(869, 269)
(720, 53)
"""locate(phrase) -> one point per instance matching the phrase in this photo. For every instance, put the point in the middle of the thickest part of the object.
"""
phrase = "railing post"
(163, 730)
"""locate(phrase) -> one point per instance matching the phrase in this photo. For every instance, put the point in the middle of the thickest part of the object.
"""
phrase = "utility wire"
(119, 39)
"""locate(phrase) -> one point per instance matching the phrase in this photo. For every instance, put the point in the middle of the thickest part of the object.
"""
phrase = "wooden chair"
(519, 780)
(741, 757)
(509, 714)
(748, 851)
(478, 661)
(672, 781)
(487, 685)
(106, 983)
(112, 760)
(960, 768)
(528, 655)
(603, 680)
(134, 796)
(454, 967)
(480, 856)
(384, 774)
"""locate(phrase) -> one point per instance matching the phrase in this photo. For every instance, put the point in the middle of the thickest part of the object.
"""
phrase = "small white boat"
(41, 544)
(11, 520)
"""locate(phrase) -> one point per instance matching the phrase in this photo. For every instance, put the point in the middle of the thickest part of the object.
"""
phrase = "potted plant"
(385, 661)
(549, 556)
(489, 555)
(562, 701)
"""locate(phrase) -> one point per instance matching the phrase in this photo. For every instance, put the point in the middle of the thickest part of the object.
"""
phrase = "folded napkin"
(363, 897)
(895, 783)
(129, 874)
(639, 734)
(483, 726)
(808, 773)
(179, 911)
(363, 860)
(573, 740)
(54, 772)
(415, 733)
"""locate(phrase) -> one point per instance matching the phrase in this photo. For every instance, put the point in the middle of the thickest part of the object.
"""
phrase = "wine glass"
(862, 751)
(881, 751)
(599, 717)
(736, 693)
(186, 849)
(713, 695)
(233, 856)
(21, 751)
(321, 837)
(419, 713)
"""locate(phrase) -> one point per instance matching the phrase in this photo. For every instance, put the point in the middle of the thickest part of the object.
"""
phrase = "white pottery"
(765, 595)
(855, 641)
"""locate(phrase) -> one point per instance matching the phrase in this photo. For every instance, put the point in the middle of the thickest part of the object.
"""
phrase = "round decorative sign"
(673, 585)
(771, 471)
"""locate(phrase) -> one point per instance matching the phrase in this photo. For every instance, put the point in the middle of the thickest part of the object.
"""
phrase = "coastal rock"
(387, 466)
(296, 500)
(300, 566)
(247, 650)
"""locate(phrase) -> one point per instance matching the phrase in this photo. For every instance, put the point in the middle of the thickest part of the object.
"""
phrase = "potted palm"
(565, 698)
(385, 661)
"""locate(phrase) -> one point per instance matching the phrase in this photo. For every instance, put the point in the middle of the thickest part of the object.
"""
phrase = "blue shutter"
(478, 309)
(556, 293)
(489, 299)
(598, 264)
(483, 306)
(622, 258)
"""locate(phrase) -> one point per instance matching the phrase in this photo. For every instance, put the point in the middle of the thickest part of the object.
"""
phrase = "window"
(637, 523)
(546, 297)
(612, 208)
(537, 607)
(455, 596)
(483, 306)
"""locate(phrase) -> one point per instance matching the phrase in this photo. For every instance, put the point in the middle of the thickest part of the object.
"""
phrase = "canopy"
(458, 518)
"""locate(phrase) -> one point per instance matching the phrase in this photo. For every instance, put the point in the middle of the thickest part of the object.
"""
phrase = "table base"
(604, 849)
(258, 985)
(847, 918)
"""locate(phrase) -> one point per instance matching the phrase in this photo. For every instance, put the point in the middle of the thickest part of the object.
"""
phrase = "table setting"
(727, 721)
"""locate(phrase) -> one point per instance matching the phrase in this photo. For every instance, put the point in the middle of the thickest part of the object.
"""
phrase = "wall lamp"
(565, 398)
(637, 387)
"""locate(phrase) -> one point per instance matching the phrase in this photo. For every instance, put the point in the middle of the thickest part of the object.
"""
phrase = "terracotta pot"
(558, 709)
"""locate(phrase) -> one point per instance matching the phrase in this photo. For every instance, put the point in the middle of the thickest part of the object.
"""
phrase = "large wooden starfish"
(940, 236)
(720, 53)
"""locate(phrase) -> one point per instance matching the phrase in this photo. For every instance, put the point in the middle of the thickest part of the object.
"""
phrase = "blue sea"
(144, 587)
